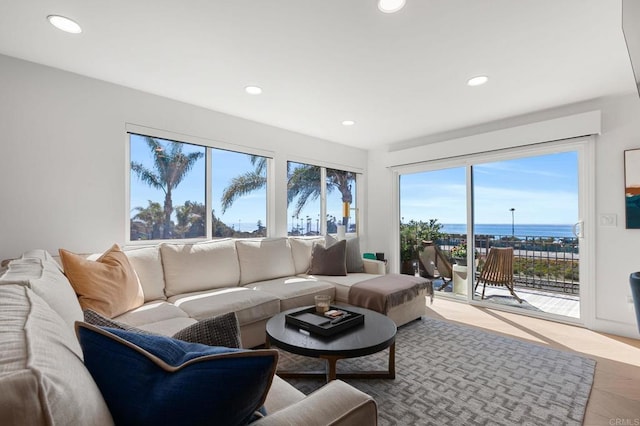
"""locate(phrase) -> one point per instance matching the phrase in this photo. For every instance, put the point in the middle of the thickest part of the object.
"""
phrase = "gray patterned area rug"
(448, 374)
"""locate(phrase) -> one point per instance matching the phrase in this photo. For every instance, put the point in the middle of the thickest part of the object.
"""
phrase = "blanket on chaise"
(383, 293)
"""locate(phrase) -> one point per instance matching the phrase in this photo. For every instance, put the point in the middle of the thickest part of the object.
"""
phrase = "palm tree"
(171, 166)
(220, 229)
(147, 221)
(191, 217)
(246, 183)
(303, 184)
(340, 180)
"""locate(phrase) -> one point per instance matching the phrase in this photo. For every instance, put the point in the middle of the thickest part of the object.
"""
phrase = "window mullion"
(209, 194)
(323, 201)
(271, 199)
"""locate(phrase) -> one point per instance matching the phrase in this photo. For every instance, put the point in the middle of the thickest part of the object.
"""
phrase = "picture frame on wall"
(632, 188)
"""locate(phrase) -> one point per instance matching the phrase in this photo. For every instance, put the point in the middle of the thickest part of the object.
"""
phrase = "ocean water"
(521, 231)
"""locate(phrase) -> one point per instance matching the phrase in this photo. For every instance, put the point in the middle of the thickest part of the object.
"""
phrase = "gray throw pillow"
(329, 261)
(354, 257)
(221, 330)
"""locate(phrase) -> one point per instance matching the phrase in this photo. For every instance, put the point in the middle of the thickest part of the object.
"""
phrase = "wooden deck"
(533, 300)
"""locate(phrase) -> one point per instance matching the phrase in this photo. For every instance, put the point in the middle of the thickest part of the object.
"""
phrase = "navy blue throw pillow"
(151, 380)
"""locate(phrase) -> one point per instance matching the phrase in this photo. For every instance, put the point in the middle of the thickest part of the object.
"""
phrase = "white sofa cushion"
(42, 379)
(157, 317)
(281, 395)
(41, 254)
(168, 327)
(264, 259)
(151, 312)
(43, 275)
(294, 292)
(301, 248)
(249, 305)
(199, 266)
(147, 263)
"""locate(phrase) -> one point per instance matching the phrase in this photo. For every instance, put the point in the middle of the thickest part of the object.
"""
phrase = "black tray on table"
(308, 319)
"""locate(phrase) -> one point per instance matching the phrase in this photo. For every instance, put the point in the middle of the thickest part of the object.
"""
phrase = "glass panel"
(341, 200)
(433, 221)
(167, 185)
(303, 195)
(528, 205)
(239, 184)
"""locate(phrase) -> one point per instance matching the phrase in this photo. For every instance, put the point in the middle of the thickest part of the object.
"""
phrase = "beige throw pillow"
(108, 285)
(264, 259)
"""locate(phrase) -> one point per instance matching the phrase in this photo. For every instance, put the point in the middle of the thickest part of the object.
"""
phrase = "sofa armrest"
(336, 403)
(372, 266)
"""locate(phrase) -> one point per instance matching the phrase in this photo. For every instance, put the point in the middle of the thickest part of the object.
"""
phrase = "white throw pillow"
(264, 259)
(147, 263)
(199, 266)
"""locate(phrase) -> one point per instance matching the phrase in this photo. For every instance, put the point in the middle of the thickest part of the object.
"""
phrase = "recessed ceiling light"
(64, 24)
(348, 123)
(478, 81)
(390, 6)
(253, 90)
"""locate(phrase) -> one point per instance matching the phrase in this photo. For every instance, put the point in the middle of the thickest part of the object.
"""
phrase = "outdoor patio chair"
(436, 265)
(498, 270)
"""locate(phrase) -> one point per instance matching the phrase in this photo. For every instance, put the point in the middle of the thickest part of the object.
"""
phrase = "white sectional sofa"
(43, 380)
(256, 279)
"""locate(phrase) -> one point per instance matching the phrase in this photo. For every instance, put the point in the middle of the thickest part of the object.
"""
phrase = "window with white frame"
(239, 184)
(320, 200)
(169, 195)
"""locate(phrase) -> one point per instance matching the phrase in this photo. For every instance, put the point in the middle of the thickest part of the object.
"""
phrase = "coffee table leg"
(331, 363)
(392, 361)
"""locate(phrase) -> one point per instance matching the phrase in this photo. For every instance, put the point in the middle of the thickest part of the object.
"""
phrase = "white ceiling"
(399, 76)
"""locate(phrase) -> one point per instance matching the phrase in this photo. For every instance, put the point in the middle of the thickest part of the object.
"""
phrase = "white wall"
(63, 146)
(617, 250)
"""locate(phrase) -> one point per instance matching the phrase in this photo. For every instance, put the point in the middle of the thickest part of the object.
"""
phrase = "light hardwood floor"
(615, 396)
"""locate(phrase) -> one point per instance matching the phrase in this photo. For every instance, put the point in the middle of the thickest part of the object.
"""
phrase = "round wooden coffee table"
(376, 334)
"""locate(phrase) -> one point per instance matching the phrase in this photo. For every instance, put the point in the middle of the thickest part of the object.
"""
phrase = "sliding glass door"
(502, 229)
(524, 211)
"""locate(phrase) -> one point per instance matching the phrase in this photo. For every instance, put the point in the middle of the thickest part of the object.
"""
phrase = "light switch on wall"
(608, 219)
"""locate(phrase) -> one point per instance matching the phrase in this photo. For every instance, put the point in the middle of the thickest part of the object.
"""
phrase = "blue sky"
(542, 189)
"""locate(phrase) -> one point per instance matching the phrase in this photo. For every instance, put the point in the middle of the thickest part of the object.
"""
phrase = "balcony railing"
(544, 263)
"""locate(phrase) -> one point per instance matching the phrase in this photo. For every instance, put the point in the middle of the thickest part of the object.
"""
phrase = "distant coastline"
(520, 230)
